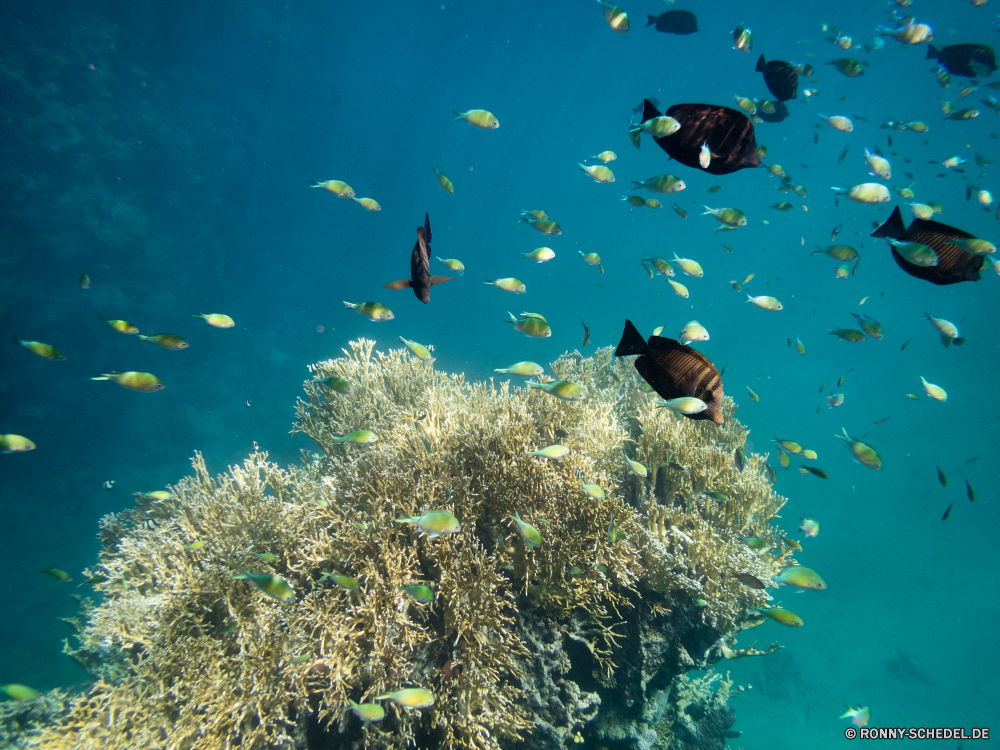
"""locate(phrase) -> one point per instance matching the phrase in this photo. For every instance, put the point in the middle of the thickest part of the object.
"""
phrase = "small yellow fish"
(561, 389)
(374, 311)
(15, 444)
(218, 320)
(454, 264)
(358, 437)
(272, 586)
(592, 259)
(732, 217)
(859, 716)
(689, 267)
(509, 284)
(635, 467)
(692, 331)
(166, 340)
(531, 536)
(145, 382)
(446, 184)
(20, 692)
(604, 156)
(480, 118)
(522, 369)
(800, 578)
(936, 392)
(540, 254)
(531, 325)
(434, 523)
(839, 122)
(766, 303)
(679, 289)
(782, 616)
(60, 575)
(367, 712)
(369, 204)
(809, 527)
(746, 104)
(598, 172)
(337, 187)
(46, 351)
(867, 192)
(554, 452)
(419, 350)
(616, 17)
(409, 698)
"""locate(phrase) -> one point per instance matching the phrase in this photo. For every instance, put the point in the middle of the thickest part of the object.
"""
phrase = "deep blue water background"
(175, 172)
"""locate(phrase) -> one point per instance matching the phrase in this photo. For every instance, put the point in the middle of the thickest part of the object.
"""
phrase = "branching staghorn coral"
(190, 656)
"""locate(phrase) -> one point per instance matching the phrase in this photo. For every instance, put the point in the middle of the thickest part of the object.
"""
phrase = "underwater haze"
(168, 152)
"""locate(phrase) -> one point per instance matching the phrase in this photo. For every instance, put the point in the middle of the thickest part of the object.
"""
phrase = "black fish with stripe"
(674, 22)
(780, 77)
(420, 279)
(954, 264)
(675, 370)
(969, 60)
(728, 133)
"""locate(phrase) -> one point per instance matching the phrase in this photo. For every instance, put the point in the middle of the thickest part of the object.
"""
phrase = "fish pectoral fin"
(440, 279)
(399, 284)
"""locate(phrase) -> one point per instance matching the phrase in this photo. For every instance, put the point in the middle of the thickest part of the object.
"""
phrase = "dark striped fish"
(728, 133)
(954, 264)
(674, 370)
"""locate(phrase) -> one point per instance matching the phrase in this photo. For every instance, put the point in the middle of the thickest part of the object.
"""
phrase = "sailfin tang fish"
(727, 132)
(954, 264)
(420, 279)
(780, 77)
(675, 370)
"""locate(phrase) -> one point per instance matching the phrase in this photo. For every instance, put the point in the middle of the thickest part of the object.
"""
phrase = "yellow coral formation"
(190, 657)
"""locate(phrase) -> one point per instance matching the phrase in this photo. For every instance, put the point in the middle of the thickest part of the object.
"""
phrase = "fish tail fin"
(845, 437)
(601, 268)
(315, 183)
(933, 53)
(11, 339)
(512, 318)
(707, 210)
(761, 63)
(460, 115)
(893, 227)
(649, 110)
(651, 21)
(102, 377)
(631, 342)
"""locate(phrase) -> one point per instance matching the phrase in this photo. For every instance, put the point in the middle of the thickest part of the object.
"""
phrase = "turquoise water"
(167, 152)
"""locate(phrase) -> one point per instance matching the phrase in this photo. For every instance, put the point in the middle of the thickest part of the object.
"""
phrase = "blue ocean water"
(167, 151)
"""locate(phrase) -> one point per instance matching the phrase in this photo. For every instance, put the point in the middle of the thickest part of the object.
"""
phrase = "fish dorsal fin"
(893, 227)
(427, 228)
(649, 110)
(441, 279)
(761, 64)
(399, 284)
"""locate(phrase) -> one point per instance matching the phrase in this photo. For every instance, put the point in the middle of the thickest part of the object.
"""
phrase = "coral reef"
(589, 636)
